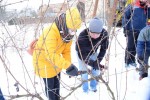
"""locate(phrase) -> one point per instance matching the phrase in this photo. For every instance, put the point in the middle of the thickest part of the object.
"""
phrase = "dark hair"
(62, 27)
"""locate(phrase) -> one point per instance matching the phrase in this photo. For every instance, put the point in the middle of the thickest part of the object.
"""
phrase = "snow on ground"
(123, 82)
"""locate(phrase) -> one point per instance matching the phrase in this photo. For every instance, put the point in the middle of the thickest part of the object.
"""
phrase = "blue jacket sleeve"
(140, 48)
(126, 17)
(103, 48)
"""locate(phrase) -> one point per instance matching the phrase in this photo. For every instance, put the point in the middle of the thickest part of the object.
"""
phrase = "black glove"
(96, 65)
(90, 63)
(72, 70)
(125, 32)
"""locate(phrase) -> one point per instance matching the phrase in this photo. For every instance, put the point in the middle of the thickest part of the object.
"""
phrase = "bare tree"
(16, 39)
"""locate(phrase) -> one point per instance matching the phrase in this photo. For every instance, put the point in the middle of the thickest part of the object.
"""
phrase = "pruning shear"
(80, 73)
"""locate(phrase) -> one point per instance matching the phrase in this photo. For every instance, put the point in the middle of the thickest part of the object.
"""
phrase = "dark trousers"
(52, 87)
(131, 47)
(1, 95)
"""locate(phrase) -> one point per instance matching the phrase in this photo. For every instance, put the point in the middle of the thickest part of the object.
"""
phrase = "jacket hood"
(73, 18)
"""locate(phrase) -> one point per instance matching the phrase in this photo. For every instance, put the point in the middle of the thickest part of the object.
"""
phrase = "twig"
(13, 3)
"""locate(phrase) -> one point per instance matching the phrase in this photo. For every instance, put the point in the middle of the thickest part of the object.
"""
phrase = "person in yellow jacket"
(53, 51)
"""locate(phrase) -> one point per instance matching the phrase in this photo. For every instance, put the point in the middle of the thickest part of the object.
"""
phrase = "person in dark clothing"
(143, 50)
(134, 19)
(87, 45)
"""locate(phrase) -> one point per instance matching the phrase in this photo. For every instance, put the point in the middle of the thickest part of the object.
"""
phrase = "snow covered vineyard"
(18, 81)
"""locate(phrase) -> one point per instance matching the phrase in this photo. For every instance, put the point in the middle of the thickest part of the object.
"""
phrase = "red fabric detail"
(137, 3)
(148, 23)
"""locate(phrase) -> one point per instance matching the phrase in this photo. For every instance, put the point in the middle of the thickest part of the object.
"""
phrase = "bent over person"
(52, 51)
(87, 45)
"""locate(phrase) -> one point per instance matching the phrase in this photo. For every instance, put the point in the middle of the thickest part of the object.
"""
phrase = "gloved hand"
(90, 63)
(125, 32)
(72, 70)
(96, 66)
